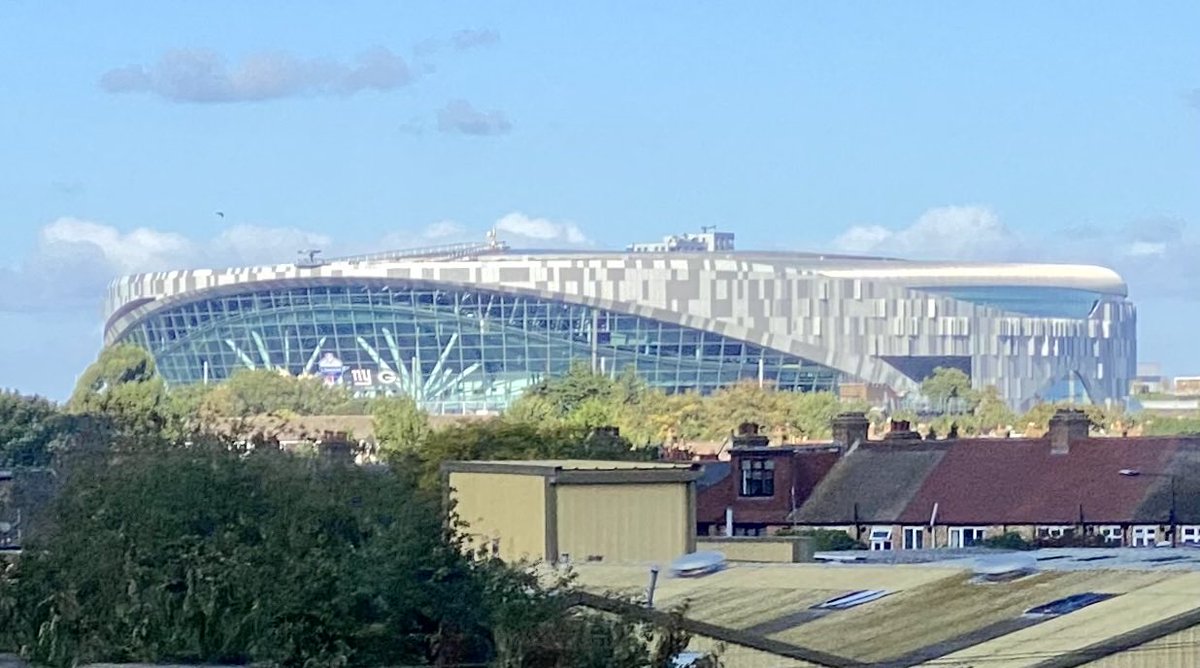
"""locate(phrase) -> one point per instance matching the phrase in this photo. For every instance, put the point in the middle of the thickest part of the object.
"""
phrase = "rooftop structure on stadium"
(466, 328)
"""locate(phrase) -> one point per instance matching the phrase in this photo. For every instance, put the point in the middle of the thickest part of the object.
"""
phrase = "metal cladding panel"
(624, 522)
(845, 313)
(505, 507)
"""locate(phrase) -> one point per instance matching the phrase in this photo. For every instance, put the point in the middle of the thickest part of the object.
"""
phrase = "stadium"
(466, 328)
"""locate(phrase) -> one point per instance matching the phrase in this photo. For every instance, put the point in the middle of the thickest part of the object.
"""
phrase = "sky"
(139, 136)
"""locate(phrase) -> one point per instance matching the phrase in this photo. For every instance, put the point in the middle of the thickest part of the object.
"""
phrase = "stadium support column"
(595, 340)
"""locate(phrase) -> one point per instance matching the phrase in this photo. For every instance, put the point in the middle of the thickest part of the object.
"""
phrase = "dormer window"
(758, 477)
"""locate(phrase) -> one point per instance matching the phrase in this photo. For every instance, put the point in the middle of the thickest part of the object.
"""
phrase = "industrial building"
(467, 328)
(1110, 608)
(576, 511)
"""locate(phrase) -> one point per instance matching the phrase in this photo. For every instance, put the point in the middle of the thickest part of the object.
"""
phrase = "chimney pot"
(849, 428)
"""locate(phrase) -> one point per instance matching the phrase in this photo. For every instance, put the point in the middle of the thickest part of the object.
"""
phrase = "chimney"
(850, 428)
(1067, 425)
(901, 431)
(747, 436)
(336, 449)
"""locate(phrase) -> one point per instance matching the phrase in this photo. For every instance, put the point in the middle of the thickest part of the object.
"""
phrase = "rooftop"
(930, 611)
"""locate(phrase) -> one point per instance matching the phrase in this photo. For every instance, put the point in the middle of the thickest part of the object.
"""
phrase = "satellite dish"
(5, 527)
(1004, 567)
(697, 564)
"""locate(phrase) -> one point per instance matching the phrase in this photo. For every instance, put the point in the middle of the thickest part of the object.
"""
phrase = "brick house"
(1065, 487)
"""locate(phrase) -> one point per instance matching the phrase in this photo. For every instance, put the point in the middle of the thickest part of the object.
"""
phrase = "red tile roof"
(1019, 481)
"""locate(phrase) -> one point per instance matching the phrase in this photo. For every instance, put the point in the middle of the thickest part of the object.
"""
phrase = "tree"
(31, 429)
(125, 398)
(992, 412)
(949, 390)
(264, 391)
(400, 425)
(221, 555)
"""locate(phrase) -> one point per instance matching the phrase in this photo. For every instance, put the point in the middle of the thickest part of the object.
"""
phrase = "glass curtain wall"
(453, 350)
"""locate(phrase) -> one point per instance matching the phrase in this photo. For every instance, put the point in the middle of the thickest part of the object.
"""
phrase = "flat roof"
(933, 611)
(584, 471)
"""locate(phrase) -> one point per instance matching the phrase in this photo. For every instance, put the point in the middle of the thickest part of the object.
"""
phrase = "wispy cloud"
(541, 229)
(203, 76)
(1156, 256)
(470, 39)
(458, 116)
(96, 253)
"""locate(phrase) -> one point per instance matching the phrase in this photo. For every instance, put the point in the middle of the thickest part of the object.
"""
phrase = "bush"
(1008, 541)
(827, 540)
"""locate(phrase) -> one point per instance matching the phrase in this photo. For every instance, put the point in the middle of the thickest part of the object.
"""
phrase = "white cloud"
(540, 229)
(202, 75)
(948, 232)
(74, 259)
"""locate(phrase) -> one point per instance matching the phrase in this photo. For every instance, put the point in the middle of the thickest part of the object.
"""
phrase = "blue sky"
(1046, 131)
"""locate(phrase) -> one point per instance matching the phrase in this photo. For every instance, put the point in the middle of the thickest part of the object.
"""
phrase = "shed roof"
(583, 471)
(932, 613)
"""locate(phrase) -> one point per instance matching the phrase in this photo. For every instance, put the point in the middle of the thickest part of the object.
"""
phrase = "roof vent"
(852, 600)
(697, 564)
(1065, 605)
(1004, 567)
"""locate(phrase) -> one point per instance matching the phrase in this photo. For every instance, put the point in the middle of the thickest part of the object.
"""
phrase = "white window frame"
(1143, 535)
(881, 539)
(1111, 533)
(958, 536)
(1188, 533)
(914, 538)
(1054, 530)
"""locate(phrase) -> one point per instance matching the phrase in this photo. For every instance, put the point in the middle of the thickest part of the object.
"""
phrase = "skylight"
(1065, 605)
(852, 600)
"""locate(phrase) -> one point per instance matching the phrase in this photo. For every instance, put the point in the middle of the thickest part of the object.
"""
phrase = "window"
(1111, 533)
(1055, 531)
(1189, 534)
(881, 538)
(758, 477)
(1144, 536)
(966, 536)
(914, 538)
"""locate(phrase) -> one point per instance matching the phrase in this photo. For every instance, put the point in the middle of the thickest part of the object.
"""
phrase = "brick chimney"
(747, 436)
(1067, 425)
(850, 428)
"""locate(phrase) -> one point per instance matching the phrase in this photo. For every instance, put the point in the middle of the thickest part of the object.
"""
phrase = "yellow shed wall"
(509, 507)
(624, 522)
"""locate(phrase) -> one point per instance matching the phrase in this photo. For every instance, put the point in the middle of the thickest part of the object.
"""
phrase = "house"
(1065, 488)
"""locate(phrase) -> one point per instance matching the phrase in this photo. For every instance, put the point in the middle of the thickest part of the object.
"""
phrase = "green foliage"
(1163, 425)
(586, 400)
(210, 554)
(31, 429)
(828, 540)
(125, 399)
(949, 390)
(1007, 541)
(263, 391)
(400, 425)
(506, 440)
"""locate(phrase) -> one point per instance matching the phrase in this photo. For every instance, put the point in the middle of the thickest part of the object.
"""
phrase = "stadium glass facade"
(453, 350)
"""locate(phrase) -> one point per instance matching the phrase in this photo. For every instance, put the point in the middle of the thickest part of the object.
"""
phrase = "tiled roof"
(1000, 481)
(873, 482)
(1011, 481)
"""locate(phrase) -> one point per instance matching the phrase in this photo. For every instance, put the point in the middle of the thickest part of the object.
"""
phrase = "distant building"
(576, 511)
(708, 241)
(468, 328)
